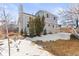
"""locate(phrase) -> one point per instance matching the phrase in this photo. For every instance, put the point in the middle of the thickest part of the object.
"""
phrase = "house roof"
(38, 12)
(29, 14)
(45, 11)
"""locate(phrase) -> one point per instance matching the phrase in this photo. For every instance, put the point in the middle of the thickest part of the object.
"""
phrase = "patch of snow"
(26, 48)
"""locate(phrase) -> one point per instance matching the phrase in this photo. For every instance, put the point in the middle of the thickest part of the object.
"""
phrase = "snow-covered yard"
(26, 47)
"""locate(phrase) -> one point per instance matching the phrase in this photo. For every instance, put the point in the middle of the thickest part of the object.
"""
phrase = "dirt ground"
(61, 47)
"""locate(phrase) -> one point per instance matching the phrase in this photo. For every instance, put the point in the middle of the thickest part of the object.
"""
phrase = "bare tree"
(72, 14)
(5, 17)
(75, 14)
(20, 19)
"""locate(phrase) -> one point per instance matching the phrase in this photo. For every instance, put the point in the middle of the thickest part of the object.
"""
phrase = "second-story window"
(49, 25)
(27, 25)
(54, 18)
(53, 26)
(30, 18)
(47, 15)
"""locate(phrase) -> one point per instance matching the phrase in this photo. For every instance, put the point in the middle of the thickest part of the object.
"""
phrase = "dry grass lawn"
(61, 47)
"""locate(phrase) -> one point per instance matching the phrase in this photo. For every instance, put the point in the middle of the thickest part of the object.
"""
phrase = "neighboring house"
(69, 23)
(2, 22)
(11, 27)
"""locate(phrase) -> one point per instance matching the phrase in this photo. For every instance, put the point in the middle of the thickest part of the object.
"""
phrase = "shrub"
(73, 37)
(38, 26)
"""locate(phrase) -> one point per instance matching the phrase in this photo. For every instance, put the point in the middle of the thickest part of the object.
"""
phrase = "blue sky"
(32, 8)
